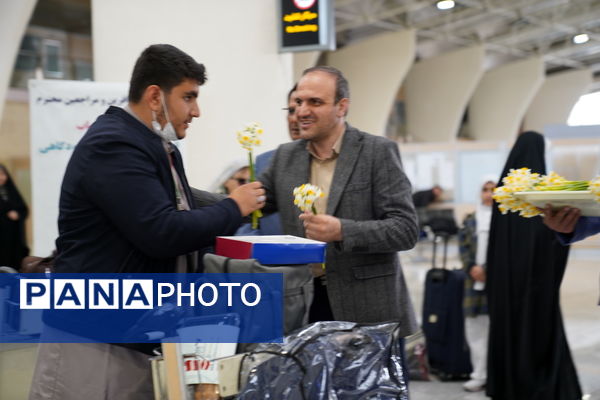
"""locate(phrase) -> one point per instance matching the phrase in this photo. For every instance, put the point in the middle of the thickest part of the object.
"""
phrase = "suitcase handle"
(445, 237)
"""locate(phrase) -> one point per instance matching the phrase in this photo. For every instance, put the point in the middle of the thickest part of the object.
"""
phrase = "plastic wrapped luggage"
(329, 361)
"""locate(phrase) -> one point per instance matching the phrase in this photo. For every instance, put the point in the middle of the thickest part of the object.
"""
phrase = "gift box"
(274, 249)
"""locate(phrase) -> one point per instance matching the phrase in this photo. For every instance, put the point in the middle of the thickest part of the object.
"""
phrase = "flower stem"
(314, 211)
(251, 165)
(255, 214)
(569, 185)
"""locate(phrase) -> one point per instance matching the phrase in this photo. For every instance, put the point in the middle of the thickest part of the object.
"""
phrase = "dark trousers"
(320, 310)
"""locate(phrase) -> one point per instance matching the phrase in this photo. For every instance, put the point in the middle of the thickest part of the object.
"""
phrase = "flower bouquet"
(306, 195)
(248, 138)
(526, 192)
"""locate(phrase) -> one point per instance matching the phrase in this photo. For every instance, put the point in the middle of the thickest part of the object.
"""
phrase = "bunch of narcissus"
(249, 137)
(523, 180)
(306, 195)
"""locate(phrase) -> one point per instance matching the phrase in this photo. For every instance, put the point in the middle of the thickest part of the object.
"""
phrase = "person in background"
(13, 213)
(473, 251)
(271, 224)
(126, 206)
(263, 160)
(528, 352)
(424, 198)
(239, 178)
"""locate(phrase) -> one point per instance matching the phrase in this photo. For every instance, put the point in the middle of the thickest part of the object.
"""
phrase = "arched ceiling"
(510, 29)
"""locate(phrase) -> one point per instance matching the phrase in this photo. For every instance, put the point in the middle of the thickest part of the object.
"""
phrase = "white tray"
(582, 199)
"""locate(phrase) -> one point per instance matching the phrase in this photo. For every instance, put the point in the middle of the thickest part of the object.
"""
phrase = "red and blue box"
(272, 249)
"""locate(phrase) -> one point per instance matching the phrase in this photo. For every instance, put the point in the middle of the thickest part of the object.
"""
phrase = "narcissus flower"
(249, 137)
(306, 195)
(523, 180)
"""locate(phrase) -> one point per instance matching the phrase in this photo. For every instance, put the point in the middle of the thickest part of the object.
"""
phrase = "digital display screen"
(306, 25)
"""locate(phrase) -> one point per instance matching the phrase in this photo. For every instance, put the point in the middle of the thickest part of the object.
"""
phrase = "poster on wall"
(306, 25)
(60, 113)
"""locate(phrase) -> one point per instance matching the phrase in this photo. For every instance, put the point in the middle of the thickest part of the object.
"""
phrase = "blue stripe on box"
(288, 253)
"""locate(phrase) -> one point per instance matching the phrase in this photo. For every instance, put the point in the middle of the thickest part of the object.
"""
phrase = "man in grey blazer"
(367, 215)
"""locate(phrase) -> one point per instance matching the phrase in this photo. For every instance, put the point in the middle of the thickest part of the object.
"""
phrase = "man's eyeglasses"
(241, 181)
(290, 110)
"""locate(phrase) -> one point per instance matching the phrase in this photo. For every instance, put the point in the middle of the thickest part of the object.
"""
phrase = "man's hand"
(322, 227)
(249, 197)
(12, 215)
(477, 273)
(563, 220)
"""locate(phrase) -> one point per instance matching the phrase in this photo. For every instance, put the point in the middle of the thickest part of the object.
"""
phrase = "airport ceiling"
(510, 29)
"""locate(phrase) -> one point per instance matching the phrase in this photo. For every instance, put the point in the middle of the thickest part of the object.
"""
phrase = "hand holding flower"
(317, 227)
(325, 228)
(249, 197)
(248, 138)
(306, 195)
(563, 220)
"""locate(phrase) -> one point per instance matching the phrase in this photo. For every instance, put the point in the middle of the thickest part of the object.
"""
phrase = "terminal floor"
(579, 298)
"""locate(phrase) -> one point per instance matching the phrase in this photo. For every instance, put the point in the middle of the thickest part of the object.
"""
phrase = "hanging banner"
(60, 113)
(306, 25)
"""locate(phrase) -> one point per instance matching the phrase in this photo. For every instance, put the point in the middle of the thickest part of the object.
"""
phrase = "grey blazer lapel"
(299, 175)
(351, 145)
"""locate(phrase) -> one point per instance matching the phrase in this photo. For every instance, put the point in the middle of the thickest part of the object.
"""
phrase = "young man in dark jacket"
(126, 206)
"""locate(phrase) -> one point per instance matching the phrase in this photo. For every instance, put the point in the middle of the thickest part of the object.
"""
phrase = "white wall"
(303, 60)
(375, 69)
(236, 40)
(437, 91)
(502, 97)
(555, 99)
(14, 17)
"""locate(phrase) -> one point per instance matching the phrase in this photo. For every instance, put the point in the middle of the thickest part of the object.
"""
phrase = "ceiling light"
(445, 4)
(581, 38)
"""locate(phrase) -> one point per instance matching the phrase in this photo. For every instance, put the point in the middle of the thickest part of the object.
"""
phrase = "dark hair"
(163, 65)
(9, 180)
(342, 89)
(10, 187)
(292, 90)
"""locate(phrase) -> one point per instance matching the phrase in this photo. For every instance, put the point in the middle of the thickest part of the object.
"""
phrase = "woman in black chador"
(528, 357)
(13, 212)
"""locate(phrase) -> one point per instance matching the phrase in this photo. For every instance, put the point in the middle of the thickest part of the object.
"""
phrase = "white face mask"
(167, 132)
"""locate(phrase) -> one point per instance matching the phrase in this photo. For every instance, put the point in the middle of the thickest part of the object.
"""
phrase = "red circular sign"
(304, 4)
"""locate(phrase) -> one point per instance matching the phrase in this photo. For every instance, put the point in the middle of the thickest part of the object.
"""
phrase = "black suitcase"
(443, 319)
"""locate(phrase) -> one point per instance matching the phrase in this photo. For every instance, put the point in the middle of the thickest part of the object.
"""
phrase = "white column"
(437, 92)
(375, 69)
(555, 99)
(14, 17)
(502, 97)
(236, 40)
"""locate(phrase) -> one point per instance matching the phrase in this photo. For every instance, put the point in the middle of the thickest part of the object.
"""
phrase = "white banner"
(60, 113)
